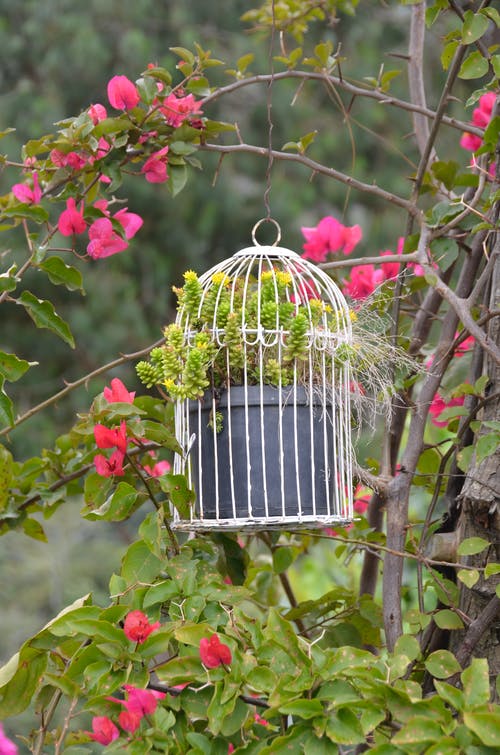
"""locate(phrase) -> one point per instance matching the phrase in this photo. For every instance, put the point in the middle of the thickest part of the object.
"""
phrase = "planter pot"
(272, 460)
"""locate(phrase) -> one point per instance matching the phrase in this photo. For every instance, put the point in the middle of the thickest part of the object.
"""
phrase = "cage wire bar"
(283, 457)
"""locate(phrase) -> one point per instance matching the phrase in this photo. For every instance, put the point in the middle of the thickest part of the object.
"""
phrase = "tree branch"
(476, 629)
(316, 167)
(415, 74)
(343, 84)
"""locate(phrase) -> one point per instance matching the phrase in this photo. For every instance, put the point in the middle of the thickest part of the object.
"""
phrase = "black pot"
(270, 459)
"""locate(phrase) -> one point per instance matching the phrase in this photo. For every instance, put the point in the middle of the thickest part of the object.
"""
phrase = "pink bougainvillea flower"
(107, 437)
(466, 345)
(97, 112)
(362, 497)
(214, 653)
(112, 467)
(363, 282)
(230, 748)
(259, 720)
(64, 159)
(472, 142)
(142, 702)
(137, 626)
(104, 241)
(129, 722)
(129, 221)
(7, 746)
(155, 167)
(177, 109)
(438, 405)
(26, 194)
(160, 468)
(103, 730)
(122, 93)
(71, 220)
(329, 236)
(481, 116)
(118, 393)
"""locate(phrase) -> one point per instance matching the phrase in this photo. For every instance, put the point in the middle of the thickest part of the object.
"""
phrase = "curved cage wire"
(269, 444)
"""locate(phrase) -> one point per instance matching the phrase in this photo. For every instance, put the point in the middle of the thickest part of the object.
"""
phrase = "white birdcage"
(269, 444)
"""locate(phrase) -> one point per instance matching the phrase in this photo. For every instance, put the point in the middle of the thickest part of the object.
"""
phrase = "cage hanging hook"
(257, 226)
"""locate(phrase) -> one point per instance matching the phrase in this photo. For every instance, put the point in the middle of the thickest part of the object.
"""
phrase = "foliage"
(237, 662)
(215, 340)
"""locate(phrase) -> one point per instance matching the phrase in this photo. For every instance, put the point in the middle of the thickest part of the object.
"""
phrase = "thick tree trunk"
(479, 503)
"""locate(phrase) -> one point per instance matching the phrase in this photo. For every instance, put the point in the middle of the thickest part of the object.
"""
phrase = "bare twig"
(316, 167)
(342, 83)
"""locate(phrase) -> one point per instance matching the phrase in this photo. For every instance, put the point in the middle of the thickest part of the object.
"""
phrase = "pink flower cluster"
(137, 627)
(481, 116)
(27, 194)
(176, 108)
(110, 234)
(329, 236)
(438, 405)
(104, 240)
(137, 704)
(364, 279)
(214, 653)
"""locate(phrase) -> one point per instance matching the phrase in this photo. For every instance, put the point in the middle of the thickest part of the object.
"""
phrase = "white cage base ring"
(268, 444)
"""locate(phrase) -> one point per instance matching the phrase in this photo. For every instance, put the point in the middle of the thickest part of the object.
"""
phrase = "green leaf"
(180, 495)
(243, 62)
(19, 679)
(32, 528)
(495, 62)
(190, 633)
(139, 565)
(450, 694)
(475, 25)
(282, 558)
(62, 274)
(262, 679)
(100, 630)
(6, 469)
(491, 569)
(408, 646)
(44, 315)
(476, 683)
(487, 445)
(486, 726)
(442, 664)
(493, 14)
(303, 708)
(185, 54)
(448, 54)
(8, 280)
(445, 251)
(177, 177)
(472, 545)
(469, 577)
(473, 67)
(120, 505)
(447, 619)
(418, 730)
(6, 408)
(34, 212)
(160, 593)
(344, 728)
(12, 368)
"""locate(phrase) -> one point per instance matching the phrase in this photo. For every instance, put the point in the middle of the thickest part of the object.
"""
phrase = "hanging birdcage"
(263, 394)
